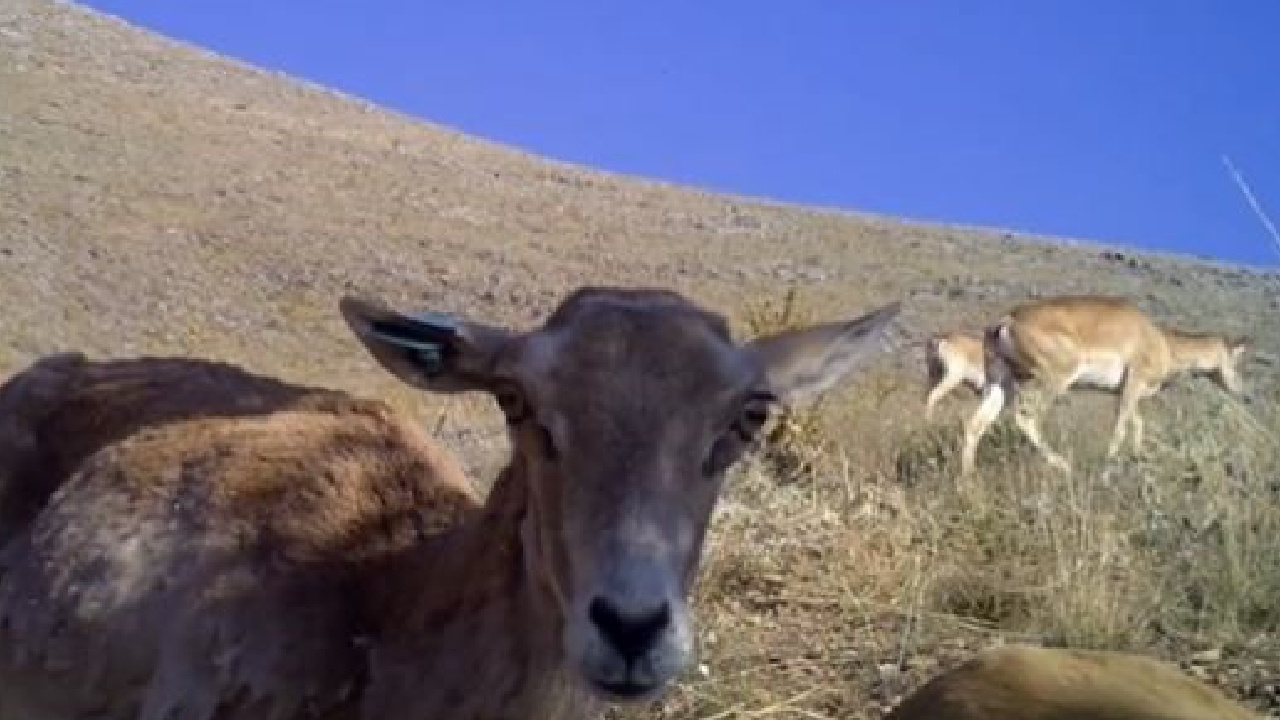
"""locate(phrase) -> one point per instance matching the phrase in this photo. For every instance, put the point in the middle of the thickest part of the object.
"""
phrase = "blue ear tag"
(443, 322)
(428, 354)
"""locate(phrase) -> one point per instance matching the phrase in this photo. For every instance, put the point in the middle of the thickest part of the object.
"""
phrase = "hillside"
(155, 198)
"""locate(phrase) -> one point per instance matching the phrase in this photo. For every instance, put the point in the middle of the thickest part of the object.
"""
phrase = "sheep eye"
(512, 403)
(517, 411)
(753, 416)
(727, 448)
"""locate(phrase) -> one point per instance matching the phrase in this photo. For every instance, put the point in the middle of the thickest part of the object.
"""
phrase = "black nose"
(631, 633)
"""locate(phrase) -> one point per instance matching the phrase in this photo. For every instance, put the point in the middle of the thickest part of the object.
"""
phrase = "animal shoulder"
(1093, 321)
(258, 523)
(1077, 306)
(313, 480)
(1022, 682)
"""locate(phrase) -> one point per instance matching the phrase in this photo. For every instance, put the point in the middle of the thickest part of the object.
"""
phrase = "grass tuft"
(832, 597)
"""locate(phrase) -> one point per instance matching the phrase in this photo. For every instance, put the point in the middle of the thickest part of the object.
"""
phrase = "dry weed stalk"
(795, 442)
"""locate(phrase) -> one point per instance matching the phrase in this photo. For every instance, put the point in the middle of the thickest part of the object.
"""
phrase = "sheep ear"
(432, 351)
(804, 362)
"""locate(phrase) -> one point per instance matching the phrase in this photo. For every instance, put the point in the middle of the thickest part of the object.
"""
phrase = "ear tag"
(427, 353)
(439, 321)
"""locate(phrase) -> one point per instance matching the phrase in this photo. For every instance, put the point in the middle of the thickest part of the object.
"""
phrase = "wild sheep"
(1020, 682)
(327, 560)
(1105, 343)
(952, 359)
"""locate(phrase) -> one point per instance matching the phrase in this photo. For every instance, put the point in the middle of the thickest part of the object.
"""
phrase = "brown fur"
(216, 545)
(1106, 343)
(1030, 683)
(312, 484)
(953, 359)
(64, 408)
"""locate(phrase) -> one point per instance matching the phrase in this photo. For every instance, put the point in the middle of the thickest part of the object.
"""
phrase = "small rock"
(812, 274)
(1210, 655)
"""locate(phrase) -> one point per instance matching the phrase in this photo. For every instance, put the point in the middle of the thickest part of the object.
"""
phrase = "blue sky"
(1090, 119)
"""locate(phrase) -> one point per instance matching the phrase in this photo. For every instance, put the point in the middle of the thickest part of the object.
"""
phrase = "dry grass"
(829, 593)
(795, 441)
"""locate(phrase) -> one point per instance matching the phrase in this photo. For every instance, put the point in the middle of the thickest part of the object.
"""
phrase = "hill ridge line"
(355, 101)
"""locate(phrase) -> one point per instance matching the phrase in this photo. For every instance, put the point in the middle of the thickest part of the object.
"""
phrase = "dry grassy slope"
(158, 199)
